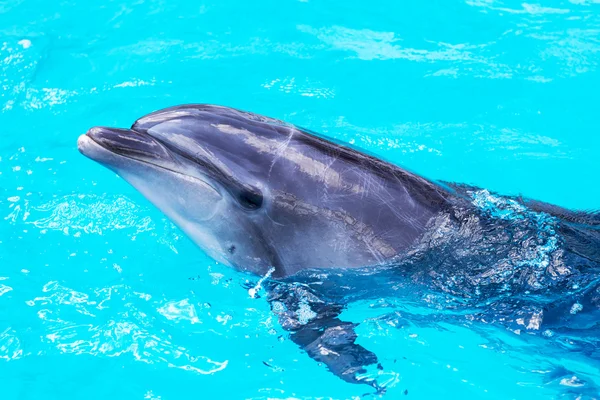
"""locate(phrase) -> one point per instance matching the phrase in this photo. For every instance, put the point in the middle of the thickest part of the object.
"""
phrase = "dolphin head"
(203, 179)
(257, 193)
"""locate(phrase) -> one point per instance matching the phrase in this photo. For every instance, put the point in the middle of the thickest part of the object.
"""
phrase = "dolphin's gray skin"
(265, 196)
(257, 193)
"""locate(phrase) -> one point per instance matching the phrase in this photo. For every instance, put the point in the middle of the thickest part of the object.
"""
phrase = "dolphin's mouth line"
(154, 165)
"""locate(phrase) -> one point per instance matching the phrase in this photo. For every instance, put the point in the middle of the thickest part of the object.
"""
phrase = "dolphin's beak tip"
(83, 143)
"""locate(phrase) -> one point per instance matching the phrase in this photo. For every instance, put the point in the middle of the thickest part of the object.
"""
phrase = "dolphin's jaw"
(158, 184)
(116, 162)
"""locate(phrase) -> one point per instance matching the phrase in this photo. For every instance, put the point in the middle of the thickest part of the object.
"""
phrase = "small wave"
(90, 214)
(86, 214)
(127, 331)
(10, 346)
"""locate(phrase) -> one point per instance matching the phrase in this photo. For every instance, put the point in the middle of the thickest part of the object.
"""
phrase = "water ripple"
(10, 346)
(90, 214)
(180, 311)
(128, 331)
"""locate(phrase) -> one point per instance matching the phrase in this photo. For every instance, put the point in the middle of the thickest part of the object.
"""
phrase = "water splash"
(252, 292)
(539, 252)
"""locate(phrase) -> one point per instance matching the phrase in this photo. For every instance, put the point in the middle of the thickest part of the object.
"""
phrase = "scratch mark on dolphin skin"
(309, 166)
(359, 231)
(326, 188)
(282, 148)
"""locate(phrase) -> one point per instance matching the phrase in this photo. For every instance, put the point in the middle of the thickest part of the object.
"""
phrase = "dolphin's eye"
(250, 200)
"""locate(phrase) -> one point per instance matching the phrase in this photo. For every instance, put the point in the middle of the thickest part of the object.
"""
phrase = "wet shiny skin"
(285, 189)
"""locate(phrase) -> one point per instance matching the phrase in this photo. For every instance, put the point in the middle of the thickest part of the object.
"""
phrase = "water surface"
(101, 296)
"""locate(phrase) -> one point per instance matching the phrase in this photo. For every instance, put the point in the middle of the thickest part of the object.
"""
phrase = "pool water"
(102, 297)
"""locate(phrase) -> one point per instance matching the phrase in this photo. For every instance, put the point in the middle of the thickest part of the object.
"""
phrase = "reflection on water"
(126, 332)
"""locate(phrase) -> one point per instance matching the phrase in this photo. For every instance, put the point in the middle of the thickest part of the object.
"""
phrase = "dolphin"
(270, 198)
(256, 193)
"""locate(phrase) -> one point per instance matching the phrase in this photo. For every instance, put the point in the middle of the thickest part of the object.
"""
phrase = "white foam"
(253, 291)
(25, 43)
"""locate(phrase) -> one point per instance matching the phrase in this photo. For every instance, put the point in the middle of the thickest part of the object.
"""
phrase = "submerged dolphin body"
(265, 196)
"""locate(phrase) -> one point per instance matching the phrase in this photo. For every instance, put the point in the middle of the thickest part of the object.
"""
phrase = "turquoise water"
(101, 296)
